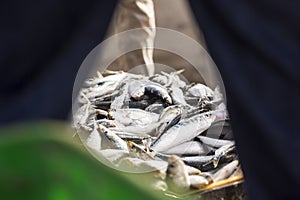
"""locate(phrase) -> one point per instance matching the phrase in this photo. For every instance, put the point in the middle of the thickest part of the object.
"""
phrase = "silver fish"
(104, 89)
(163, 127)
(192, 101)
(188, 148)
(173, 79)
(132, 136)
(108, 84)
(158, 78)
(183, 131)
(197, 161)
(101, 80)
(198, 181)
(177, 96)
(139, 124)
(170, 112)
(222, 151)
(225, 171)
(169, 117)
(129, 117)
(101, 112)
(237, 172)
(192, 170)
(155, 107)
(177, 175)
(153, 89)
(120, 101)
(159, 91)
(201, 91)
(105, 122)
(115, 140)
(138, 130)
(217, 143)
(137, 151)
(107, 97)
(136, 89)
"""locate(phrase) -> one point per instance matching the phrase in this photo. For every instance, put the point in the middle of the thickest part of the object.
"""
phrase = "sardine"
(136, 89)
(168, 118)
(221, 152)
(237, 172)
(111, 78)
(177, 175)
(132, 136)
(225, 171)
(155, 108)
(138, 152)
(197, 161)
(158, 78)
(151, 88)
(121, 101)
(115, 140)
(141, 104)
(201, 91)
(192, 170)
(130, 117)
(183, 131)
(100, 90)
(198, 181)
(217, 143)
(173, 79)
(177, 96)
(164, 126)
(105, 122)
(170, 112)
(188, 148)
(159, 91)
(141, 124)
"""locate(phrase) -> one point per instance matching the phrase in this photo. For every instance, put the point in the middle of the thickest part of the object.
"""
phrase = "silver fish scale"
(183, 131)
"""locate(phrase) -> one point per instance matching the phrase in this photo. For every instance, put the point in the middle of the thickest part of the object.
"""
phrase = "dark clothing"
(43, 44)
(256, 46)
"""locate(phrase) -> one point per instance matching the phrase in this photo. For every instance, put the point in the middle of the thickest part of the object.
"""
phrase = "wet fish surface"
(160, 123)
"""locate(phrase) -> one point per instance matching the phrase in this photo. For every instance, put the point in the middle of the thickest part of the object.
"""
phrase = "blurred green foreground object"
(42, 161)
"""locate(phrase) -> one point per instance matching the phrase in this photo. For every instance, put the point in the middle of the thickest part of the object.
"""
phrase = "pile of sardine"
(158, 123)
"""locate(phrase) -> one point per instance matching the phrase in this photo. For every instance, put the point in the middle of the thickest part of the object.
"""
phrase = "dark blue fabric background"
(43, 44)
(256, 46)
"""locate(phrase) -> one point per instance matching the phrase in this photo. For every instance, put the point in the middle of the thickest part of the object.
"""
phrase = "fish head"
(175, 165)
